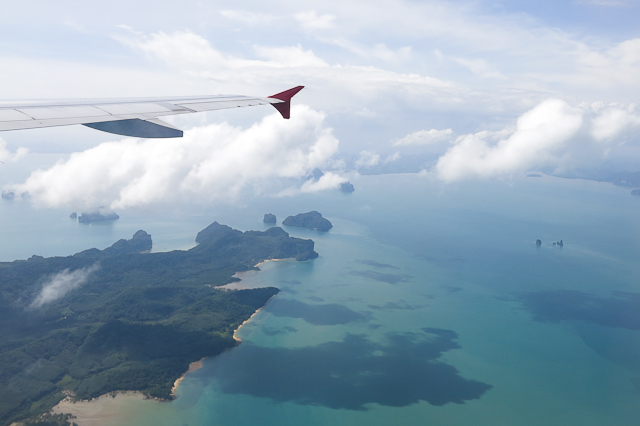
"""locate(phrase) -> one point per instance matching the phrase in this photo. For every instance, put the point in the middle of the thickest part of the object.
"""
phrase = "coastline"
(257, 265)
(235, 337)
(240, 284)
(196, 365)
(106, 409)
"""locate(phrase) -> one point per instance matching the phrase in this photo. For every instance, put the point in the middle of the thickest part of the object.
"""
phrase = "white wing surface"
(136, 117)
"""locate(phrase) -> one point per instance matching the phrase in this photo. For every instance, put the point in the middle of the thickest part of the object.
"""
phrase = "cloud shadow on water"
(379, 276)
(376, 264)
(351, 373)
(607, 325)
(397, 306)
(325, 314)
(272, 331)
(620, 311)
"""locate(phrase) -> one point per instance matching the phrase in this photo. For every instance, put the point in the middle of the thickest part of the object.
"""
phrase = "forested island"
(347, 187)
(96, 217)
(125, 319)
(310, 220)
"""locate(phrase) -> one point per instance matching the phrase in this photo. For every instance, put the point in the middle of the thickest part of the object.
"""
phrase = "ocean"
(429, 304)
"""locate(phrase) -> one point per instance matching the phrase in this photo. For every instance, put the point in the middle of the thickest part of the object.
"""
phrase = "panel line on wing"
(13, 115)
(141, 108)
(62, 112)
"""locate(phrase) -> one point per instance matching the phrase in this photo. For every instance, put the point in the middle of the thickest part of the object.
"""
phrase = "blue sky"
(477, 89)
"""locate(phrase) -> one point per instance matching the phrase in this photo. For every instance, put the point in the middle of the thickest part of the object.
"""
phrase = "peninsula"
(124, 319)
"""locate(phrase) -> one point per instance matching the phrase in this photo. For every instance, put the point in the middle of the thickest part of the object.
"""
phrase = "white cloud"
(425, 137)
(392, 157)
(311, 20)
(344, 85)
(183, 49)
(57, 285)
(367, 159)
(521, 61)
(607, 3)
(538, 140)
(613, 121)
(375, 51)
(380, 50)
(6, 155)
(214, 162)
(188, 51)
(479, 67)
(384, 62)
(248, 17)
(289, 56)
(364, 112)
(327, 181)
(553, 135)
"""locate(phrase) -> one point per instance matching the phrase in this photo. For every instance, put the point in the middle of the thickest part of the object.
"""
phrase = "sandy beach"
(235, 337)
(101, 410)
(106, 409)
(257, 265)
(242, 285)
(192, 367)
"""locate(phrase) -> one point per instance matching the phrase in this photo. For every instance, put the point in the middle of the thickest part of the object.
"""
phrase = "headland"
(130, 321)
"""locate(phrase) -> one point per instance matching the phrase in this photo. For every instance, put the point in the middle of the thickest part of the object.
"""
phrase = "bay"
(428, 303)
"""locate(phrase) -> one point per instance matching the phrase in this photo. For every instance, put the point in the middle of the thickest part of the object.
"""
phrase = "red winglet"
(284, 108)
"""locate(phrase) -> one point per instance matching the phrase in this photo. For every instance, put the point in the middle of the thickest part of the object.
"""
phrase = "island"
(97, 217)
(124, 319)
(310, 220)
(8, 195)
(73, 215)
(316, 174)
(635, 192)
(269, 218)
(347, 187)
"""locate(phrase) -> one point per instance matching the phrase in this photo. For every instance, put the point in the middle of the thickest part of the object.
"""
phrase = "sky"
(456, 90)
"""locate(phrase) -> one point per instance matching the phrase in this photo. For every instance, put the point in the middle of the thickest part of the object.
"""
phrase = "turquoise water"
(429, 304)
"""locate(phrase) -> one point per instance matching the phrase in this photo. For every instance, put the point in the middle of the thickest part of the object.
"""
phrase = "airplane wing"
(136, 117)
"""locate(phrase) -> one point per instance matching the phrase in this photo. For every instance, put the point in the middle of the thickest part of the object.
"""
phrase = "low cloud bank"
(553, 135)
(425, 137)
(214, 162)
(57, 285)
(6, 155)
(367, 159)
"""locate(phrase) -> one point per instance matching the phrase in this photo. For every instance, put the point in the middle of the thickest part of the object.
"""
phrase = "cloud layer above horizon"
(220, 162)
(552, 136)
(216, 162)
(475, 89)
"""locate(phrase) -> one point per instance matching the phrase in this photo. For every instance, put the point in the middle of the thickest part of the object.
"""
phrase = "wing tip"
(284, 107)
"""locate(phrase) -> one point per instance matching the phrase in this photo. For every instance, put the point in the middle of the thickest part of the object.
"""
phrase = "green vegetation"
(310, 220)
(117, 319)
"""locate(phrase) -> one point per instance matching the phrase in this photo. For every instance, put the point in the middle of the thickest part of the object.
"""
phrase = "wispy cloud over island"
(57, 285)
